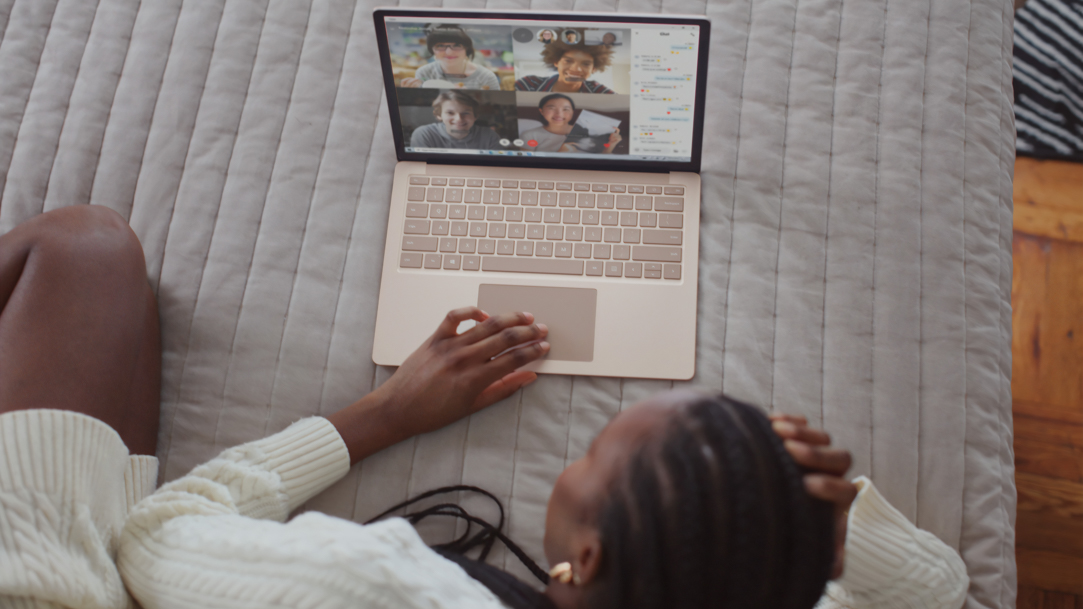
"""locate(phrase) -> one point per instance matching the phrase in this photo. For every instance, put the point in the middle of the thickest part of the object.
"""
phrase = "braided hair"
(713, 514)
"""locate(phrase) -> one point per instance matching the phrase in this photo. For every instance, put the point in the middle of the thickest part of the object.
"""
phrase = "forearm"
(370, 424)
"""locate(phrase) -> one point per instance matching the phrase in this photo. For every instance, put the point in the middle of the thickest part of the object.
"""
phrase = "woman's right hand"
(410, 83)
(448, 377)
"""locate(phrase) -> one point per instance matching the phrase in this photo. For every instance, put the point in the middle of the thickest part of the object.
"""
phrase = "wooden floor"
(1047, 382)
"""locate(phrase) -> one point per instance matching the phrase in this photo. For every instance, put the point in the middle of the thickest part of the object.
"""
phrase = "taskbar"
(557, 155)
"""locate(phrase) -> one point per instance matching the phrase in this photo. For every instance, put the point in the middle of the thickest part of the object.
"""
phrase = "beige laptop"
(547, 163)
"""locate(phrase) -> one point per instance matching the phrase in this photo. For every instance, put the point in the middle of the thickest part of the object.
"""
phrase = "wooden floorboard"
(1047, 382)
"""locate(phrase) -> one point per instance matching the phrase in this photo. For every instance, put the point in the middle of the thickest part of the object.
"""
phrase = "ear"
(588, 557)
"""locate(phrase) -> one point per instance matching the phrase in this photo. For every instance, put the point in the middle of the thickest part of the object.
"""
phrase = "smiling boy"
(456, 113)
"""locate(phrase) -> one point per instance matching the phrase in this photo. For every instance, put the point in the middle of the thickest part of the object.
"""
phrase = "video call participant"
(457, 113)
(557, 111)
(546, 36)
(574, 65)
(453, 50)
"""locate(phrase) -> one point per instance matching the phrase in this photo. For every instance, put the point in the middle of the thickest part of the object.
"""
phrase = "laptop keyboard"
(562, 228)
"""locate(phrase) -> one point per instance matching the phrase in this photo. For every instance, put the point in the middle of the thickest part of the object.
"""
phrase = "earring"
(562, 572)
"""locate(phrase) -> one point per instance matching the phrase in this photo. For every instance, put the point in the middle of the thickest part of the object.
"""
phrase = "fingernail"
(544, 328)
(544, 345)
(783, 427)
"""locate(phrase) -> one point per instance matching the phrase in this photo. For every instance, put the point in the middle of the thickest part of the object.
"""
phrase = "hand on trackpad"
(569, 313)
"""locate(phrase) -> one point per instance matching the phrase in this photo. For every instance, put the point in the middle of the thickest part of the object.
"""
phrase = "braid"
(713, 514)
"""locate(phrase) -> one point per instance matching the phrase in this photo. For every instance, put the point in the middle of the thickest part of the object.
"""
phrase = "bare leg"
(79, 323)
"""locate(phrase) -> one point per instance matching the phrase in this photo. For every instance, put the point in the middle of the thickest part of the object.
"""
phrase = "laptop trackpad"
(569, 313)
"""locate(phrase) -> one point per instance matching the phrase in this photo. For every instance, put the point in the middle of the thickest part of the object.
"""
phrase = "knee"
(92, 239)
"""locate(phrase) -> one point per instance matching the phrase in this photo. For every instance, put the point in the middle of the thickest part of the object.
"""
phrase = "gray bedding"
(855, 261)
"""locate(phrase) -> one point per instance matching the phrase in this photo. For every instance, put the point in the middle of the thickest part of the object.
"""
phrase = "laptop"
(548, 163)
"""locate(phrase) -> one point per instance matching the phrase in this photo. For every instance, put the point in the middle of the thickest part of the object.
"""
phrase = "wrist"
(370, 424)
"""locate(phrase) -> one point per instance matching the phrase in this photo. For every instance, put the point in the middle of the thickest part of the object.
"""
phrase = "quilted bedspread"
(855, 260)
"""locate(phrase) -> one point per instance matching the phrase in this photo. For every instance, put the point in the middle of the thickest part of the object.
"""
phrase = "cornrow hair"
(713, 514)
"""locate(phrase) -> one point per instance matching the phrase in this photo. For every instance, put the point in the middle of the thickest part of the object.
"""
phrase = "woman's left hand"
(613, 141)
(826, 466)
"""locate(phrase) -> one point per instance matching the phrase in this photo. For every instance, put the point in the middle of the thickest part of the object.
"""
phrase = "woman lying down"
(684, 501)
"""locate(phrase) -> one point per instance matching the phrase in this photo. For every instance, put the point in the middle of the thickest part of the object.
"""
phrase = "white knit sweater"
(216, 538)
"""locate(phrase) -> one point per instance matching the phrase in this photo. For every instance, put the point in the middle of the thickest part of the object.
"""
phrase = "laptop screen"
(535, 90)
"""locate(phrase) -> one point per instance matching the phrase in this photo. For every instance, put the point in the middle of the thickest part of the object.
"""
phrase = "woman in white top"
(453, 51)
(684, 500)
(558, 110)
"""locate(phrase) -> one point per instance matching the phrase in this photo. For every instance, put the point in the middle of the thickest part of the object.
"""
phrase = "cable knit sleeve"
(215, 538)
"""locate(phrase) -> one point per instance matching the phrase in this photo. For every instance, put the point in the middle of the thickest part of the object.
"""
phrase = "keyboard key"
(419, 244)
(471, 263)
(432, 261)
(547, 199)
(417, 210)
(410, 261)
(533, 215)
(544, 248)
(599, 187)
(440, 227)
(452, 262)
(586, 199)
(673, 190)
(567, 199)
(416, 227)
(564, 185)
(617, 188)
(652, 271)
(510, 184)
(671, 271)
(662, 237)
(453, 195)
(524, 248)
(592, 234)
(613, 269)
(628, 218)
(625, 201)
(670, 221)
(415, 193)
(590, 217)
(656, 254)
(562, 250)
(573, 233)
(610, 218)
(478, 229)
(498, 229)
(419, 180)
(654, 190)
(595, 268)
(473, 195)
(580, 187)
(495, 214)
(491, 197)
(438, 211)
(475, 212)
(510, 197)
(622, 252)
(631, 235)
(505, 247)
(635, 189)
(643, 202)
(474, 183)
(633, 269)
(467, 246)
(525, 184)
(668, 204)
(439, 181)
(514, 214)
(486, 246)
(545, 186)
(612, 235)
(605, 201)
(529, 198)
(582, 250)
(648, 219)
(602, 251)
(535, 231)
(448, 245)
(551, 215)
(554, 232)
(434, 195)
(517, 231)
(571, 216)
(492, 183)
(533, 265)
(456, 182)
(456, 212)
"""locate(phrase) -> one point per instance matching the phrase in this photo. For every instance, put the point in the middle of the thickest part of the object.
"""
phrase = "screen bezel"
(693, 165)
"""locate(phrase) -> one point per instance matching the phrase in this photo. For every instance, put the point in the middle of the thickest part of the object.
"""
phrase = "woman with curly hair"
(574, 65)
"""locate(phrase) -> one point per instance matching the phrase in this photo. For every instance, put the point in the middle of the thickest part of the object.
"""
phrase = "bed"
(855, 262)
